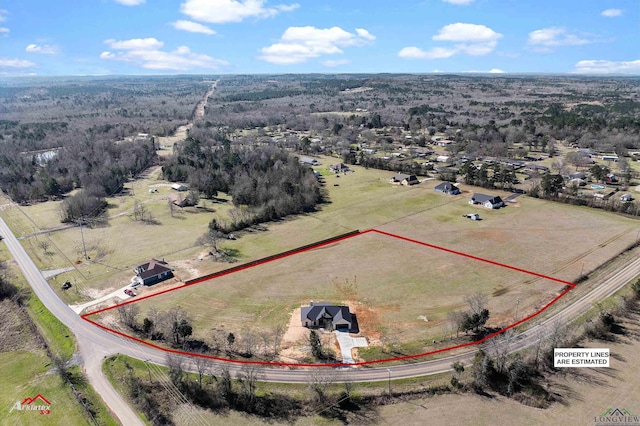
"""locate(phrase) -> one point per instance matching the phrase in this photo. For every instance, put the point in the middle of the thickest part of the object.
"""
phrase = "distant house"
(403, 179)
(447, 188)
(153, 272)
(339, 168)
(179, 187)
(443, 158)
(611, 178)
(626, 197)
(326, 315)
(306, 161)
(488, 201)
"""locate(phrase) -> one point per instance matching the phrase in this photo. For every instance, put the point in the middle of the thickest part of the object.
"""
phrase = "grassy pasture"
(542, 236)
(392, 282)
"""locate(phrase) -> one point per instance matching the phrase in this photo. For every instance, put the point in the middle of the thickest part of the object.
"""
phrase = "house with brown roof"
(403, 179)
(153, 272)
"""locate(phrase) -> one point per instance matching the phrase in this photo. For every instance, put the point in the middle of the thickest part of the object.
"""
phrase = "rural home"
(447, 188)
(326, 315)
(339, 168)
(153, 272)
(306, 161)
(403, 179)
(626, 197)
(488, 201)
(179, 187)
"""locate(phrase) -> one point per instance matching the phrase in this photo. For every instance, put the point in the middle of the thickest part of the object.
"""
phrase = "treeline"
(265, 180)
(99, 166)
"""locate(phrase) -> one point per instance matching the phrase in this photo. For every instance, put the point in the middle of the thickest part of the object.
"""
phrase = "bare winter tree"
(128, 313)
(248, 378)
(44, 245)
(319, 382)
(139, 211)
(176, 369)
(277, 339)
(455, 320)
(203, 366)
(477, 302)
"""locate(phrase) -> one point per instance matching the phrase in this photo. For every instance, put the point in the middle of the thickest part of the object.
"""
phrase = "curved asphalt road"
(95, 343)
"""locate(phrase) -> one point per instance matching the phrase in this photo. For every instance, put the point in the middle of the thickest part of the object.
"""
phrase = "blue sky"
(79, 37)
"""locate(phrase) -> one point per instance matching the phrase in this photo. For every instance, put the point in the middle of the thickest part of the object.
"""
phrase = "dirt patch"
(92, 293)
(295, 341)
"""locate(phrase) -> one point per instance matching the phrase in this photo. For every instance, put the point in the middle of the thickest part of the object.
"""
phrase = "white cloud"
(44, 49)
(466, 33)
(365, 34)
(224, 11)
(145, 53)
(134, 43)
(15, 63)
(496, 71)
(3, 13)
(434, 53)
(611, 13)
(335, 63)
(607, 67)
(192, 27)
(299, 44)
(130, 2)
(544, 39)
(459, 2)
(470, 39)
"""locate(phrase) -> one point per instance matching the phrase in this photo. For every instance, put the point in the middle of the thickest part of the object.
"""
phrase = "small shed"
(179, 187)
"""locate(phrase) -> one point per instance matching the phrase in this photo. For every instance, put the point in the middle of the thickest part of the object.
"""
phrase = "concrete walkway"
(347, 343)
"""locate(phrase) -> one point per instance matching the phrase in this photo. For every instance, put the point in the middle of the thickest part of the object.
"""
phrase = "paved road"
(95, 343)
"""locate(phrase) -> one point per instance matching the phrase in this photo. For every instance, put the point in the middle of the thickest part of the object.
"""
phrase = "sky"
(144, 37)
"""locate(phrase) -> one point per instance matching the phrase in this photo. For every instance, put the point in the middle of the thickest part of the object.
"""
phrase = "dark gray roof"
(446, 187)
(483, 198)
(151, 269)
(325, 310)
(399, 177)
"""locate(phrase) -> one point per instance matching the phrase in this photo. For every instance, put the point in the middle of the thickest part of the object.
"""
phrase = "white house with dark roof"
(447, 188)
(488, 201)
(326, 315)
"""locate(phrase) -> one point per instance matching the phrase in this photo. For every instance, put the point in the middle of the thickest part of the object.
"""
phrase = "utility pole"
(84, 247)
(515, 318)
(148, 369)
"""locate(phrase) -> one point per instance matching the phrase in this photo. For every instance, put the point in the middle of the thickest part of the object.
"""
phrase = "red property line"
(303, 249)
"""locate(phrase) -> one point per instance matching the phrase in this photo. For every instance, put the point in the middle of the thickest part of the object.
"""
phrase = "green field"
(398, 285)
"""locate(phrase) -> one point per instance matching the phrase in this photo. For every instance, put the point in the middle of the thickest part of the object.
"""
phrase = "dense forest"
(266, 179)
(59, 134)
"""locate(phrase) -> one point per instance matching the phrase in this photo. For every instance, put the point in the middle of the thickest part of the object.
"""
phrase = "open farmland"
(399, 289)
(394, 287)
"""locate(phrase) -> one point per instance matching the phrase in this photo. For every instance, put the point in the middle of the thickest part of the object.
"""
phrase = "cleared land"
(394, 286)
(549, 238)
